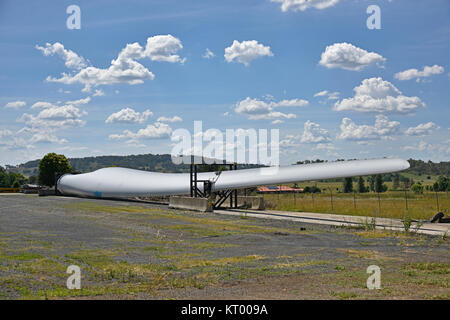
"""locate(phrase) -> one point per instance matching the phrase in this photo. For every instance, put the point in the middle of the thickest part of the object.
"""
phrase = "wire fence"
(392, 204)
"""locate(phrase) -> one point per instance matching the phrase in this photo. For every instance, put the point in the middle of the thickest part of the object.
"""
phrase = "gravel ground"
(132, 250)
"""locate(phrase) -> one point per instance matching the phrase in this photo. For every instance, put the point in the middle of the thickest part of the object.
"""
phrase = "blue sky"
(281, 61)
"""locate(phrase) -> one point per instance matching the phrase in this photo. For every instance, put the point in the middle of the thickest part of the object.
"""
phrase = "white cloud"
(125, 68)
(321, 93)
(291, 103)
(333, 95)
(347, 56)
(156, 131)
(43, 104)
(98, 93)
(258, 110)
(312, 133)
(162, 47)
(251, 107)
(414, 73)
(382, 129)
(72, 60)
(79, 101)
(5, 133)
(290, 140)
(422, 146)
(208, 54)
(54, 116)
(15, 104)
(377, 95)
(277, 121)
(440, 149)
(46, 137)
(330, 95)
(60, 90)
(167, 119)
(422, 129)
(302, 5)
(246, 51)
(128, 115)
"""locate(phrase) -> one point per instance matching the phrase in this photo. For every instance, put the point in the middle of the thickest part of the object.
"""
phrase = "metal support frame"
(195, 192)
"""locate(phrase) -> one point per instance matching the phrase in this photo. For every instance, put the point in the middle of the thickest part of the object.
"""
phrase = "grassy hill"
(148, 162)
(419, 170)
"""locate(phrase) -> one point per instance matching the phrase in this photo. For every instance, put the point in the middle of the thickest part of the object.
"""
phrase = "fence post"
(406, 200)
(354, 199)
(312, 197)
(331, 196)
(437, 201)
(379, 203)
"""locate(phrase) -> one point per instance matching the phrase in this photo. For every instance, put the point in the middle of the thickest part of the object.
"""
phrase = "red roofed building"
(283, 189)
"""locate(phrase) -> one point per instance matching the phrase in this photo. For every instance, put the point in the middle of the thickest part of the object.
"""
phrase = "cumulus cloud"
(46, 137)
(312, 133)
(15, 104)
(163, 47)
(246, 51)
(414, 73)
(208, 54)
(291, 103)
(72, 60)
(422, 129)
(347, 56)
(128, 115)
(425, 146)
(382, 129)
(168, 119)
(55, 116)
(157, 130)
(257, 109)
(302, 5)
(125, 68)
(377, 95)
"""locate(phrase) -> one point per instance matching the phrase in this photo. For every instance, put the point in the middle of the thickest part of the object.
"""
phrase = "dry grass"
(393, 204)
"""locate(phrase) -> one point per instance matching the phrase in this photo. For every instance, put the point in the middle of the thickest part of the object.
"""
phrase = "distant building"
(281, 189)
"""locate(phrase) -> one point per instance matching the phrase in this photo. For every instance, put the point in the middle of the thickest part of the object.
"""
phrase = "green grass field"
(390, 204)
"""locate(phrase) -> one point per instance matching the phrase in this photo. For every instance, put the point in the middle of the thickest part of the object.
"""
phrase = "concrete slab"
(190, 203)
(438, 229)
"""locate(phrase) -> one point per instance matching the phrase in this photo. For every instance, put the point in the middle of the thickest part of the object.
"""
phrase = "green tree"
(50, 164)
(361, 186)
(348, 185)
(16, 184)
(371, 181)
(443, 183)
(436, 186)
(417, 188)
(379, 186)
